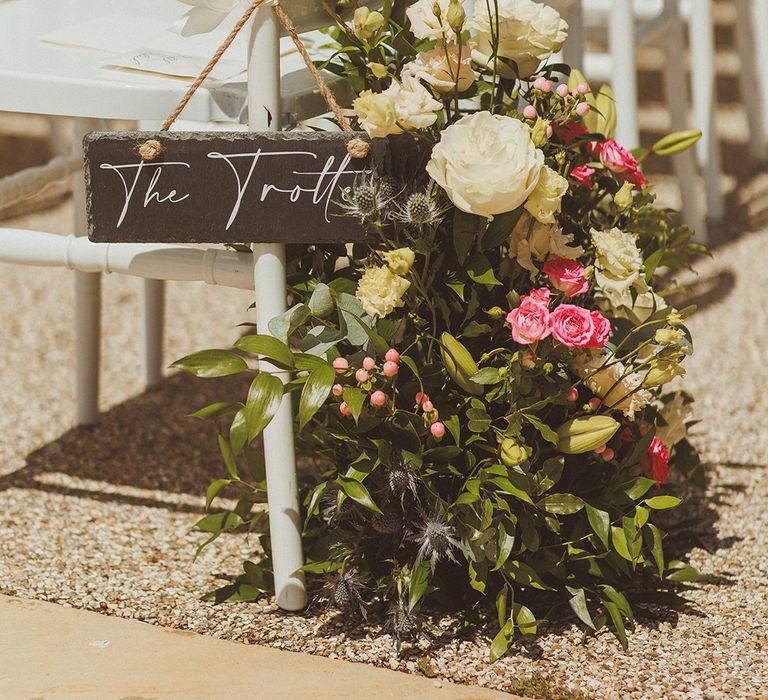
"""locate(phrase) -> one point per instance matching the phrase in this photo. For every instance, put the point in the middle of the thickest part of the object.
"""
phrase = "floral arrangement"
(480, 387)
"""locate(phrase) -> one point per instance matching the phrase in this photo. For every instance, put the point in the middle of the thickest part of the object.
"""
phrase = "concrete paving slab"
(51, 652)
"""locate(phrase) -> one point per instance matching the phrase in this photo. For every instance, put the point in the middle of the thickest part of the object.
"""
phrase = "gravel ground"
(102, 518)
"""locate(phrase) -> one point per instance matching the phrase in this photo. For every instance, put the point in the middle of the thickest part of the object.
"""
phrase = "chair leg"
(153, 317)
(573, 50)
(749, 79)
(759, 19)
(702, 44)
(677, 99)
(87, 304)
(621, 44)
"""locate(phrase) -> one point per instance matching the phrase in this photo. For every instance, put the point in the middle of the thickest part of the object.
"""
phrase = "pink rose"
(583, 175)
(566, 275)
(572, 325)
(541, 295)
(529, 321)
(602, 330)
(657, 461)
(620, 161)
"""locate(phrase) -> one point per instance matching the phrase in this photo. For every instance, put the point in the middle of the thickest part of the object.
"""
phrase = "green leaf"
(549, 474)
(561, 503)
(619, 600)
(357, 492)
(271, 348)
(507, 486)
(506, 540)
(474, 330)
(306, 362)
(214, 489)
(480, 270)
(321, 302)
(618, 622)
(286, 323)
(679, 571)
(264, 398)
(546, 432)
(355, 399)
(502, 599)
(211, 363)
(499, 229)
(619, 539)
(501, 641)
(578, 604)
(229, 458)
(315, 392)
(523, 574)
(238, 431)
(214, 410)
(487, 375)
(418, 584)
(219, 522)
(663, 502)
(657, 550)
(525, 619)
(639, 487)
(465, 228)
(478, 572)
(600, 522)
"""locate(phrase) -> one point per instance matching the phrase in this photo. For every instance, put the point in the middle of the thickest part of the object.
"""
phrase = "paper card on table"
(172, 64)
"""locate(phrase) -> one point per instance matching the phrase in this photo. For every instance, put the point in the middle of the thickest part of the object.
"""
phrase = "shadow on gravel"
(147, 442)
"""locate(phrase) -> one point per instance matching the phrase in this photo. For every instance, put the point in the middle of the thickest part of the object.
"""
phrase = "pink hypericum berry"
(421, 397)
(594, 403)
(340, 364)
(608, 454)
(361, 375)
(537, 392)
(390, 369)
(582, 109)
(378, 398)
(369, 363)
(529, 360)
(337, 390)
(529, 112)
(573, 394)
(601, 448)
(428, 406)
(437, 429)
(582, 88)
(344, 409)
(538, 82)
(562, 90)
(549, 132)
(392, 355)
(546, 85)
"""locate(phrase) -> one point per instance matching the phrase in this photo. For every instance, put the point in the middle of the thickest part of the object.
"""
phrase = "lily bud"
(456, 16)
(585, 434)
(512, 452)
(436, 11)
(459, 364)
(539, 132)
(677, 142)
(667, 336)
(623, 198)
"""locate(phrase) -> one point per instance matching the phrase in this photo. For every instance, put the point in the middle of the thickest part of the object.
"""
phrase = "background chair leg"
(153, 317)
(702, 47)
(621, 44)
(87, 303)
(686, 171)
(573, 50)
(752, 43)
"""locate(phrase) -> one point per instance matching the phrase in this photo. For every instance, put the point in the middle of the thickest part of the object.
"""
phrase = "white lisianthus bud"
(456, 16)
(399, 261)
(623, 198)
(486, 163)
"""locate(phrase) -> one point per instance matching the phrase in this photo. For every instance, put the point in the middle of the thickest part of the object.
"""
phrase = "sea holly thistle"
(480, 386)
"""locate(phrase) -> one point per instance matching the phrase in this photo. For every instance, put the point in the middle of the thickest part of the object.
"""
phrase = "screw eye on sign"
(272, 187)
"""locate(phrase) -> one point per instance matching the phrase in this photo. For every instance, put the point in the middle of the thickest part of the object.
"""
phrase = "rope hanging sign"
(218, 187)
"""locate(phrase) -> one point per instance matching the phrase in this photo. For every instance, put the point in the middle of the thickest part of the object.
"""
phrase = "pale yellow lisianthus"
(380, 291)
(426, 24)
(447, 67)
(546, 199)
(376, 112)
(399, 261)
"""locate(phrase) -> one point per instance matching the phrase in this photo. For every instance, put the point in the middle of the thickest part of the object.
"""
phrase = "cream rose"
(529, 33)
(442, 69)
(531, 240)
(380, 291)
(617, 264)
(425, 24)
(486, 163)
(544, 202)
(415, 107)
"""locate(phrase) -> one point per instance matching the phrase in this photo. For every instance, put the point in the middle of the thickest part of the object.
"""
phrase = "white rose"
(531, 240)
(486, 163)
(425, 24)
(415, 107)
(529, 33)
(206, 15)
(376, 112)
(380, 291)
(544, 202)
(676, 413)
(617, 265)
(442, 69)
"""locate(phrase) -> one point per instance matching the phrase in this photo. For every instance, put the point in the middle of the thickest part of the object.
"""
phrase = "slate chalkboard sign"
(222, 187)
